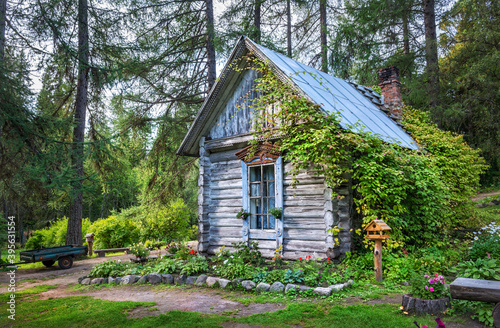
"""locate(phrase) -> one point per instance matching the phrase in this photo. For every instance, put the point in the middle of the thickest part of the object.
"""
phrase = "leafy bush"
(36, 241)
(166, 266)
(195, 265)
(398, 268)
(173, 247)
(55, 234)
(482, 311)
(427, 287)
(248, 253)
(486, 242)
(139, 250)
(114, 232)
(292, 277)
(234, 267)
(171, 223)
(479, 269)
(109, 269)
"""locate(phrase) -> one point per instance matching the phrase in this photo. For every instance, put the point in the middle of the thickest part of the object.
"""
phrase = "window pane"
(253, 222)
(255, 206)
(259, 221)
(271, 203)
(270, 189)
(269, 172)
(271, 221)
(255, 189)
(265, 205)
(255, 173)
(264, 218)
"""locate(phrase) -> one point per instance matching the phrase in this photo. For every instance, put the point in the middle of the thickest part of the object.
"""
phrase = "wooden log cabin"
(220, 136)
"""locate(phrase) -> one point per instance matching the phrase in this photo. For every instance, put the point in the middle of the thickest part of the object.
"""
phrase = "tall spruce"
(323, 35)
(431, 52)
(211, 62)
(74, 233)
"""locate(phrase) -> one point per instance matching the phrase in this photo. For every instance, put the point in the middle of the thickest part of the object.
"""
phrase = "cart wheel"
(48, 263)
(65, 262)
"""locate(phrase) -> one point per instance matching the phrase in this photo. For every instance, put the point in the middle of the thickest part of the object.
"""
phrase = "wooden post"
(378, 259)
(90, 241)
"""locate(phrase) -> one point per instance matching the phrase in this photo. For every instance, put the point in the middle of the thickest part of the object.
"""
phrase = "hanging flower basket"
(242, 214)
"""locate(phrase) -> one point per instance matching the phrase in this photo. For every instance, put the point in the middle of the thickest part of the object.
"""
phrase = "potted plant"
(276, 212)
(428, 295)
(140, 251)
(242, 214)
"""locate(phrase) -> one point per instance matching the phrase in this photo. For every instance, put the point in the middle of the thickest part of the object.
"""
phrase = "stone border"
(247, 285)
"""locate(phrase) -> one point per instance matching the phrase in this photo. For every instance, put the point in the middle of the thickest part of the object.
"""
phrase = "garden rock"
(211, 281)
(336, 288)
(304, 288)
(86, 281)
(277, 287)
(262, 287)
(180, 279)
(236, 282)
(406, 283)
(105, 280)
(118, 280)
(191, 280)
(111, 280)
(167, 279)
(223, 283)
(142, 280)
(129, 280)
(350, 282)
(322, 291)
(248, 284)
(154, 278)
(97, 281)
(81, 279)
(290, 287)
(201, 280)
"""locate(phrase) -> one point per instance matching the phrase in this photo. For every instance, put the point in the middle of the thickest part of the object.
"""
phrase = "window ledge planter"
(421, 306)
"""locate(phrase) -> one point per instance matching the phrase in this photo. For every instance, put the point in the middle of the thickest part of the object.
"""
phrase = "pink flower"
(431, 289)
(426, 276)
(437, 274)
(431, 281)
(426, 288)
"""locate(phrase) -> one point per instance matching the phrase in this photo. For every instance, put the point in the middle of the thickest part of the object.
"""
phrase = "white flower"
(476, 238)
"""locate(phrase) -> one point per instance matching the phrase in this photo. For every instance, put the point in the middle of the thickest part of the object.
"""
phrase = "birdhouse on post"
(377, 230)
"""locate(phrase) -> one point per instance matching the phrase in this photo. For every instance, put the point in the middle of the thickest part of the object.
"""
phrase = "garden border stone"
(212, 281)
(262, 287)
(277, 287)
(223, 283)
(201, 280)
(167, 279)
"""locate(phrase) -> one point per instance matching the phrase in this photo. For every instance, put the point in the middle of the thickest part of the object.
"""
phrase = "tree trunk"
(212, 73)
(322, 21)
(256, 21)
(3, 13)
(288, 29)
(74, 233)
(431, 54)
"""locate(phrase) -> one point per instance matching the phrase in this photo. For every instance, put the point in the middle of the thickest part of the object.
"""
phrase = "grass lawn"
(88, 312)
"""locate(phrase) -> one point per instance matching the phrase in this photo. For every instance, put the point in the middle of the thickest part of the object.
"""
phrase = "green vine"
(421, 194)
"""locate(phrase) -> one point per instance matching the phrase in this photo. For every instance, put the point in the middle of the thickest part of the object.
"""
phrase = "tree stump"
(420, 306)
(496, 315)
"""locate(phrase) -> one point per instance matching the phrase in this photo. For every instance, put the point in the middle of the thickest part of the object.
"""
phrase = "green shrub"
(478, 269)
(114, 232)
(171, 223)
(292, 277)
(166, 266)
(109, 269)
(55, 234)
(248, 253)
(486, 242)
(398, 268)
(195, 265)
(35, 241)
(234, 268)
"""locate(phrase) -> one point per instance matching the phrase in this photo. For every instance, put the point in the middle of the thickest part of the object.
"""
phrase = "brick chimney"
(391, 91)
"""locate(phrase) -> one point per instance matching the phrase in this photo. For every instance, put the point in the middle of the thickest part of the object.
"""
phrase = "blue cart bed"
(48, 256)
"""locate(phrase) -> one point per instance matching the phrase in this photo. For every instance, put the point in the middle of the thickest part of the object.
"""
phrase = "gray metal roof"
(359, 106)
(358, 111)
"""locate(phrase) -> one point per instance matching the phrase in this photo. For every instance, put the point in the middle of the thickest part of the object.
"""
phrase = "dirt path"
(482, 196)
